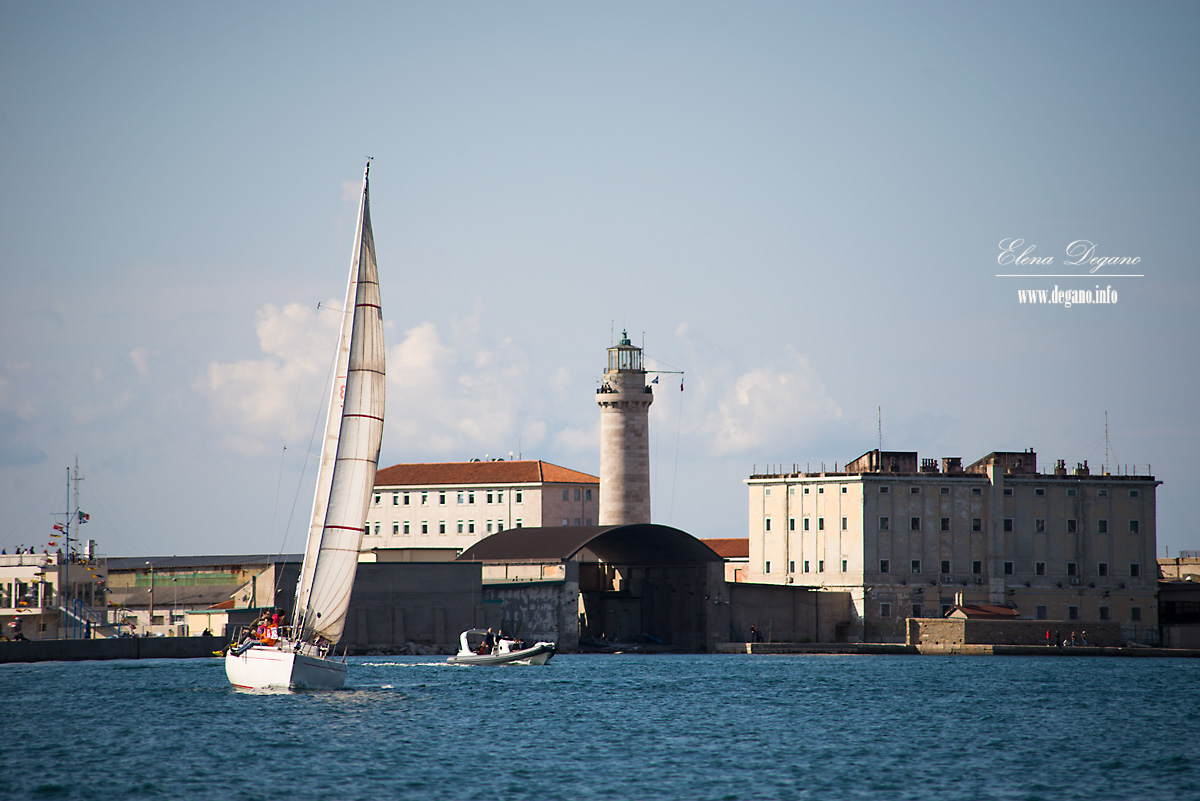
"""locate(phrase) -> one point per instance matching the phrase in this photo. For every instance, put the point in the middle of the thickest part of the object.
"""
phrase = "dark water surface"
(612, 727)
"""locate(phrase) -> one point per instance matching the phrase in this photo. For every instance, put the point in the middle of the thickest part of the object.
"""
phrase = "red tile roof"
(731, 547)
(467, 473)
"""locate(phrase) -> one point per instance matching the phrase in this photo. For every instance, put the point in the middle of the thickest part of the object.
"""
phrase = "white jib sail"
(350, 452)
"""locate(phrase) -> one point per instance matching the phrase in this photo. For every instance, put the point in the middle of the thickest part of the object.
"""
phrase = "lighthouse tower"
(624, 400)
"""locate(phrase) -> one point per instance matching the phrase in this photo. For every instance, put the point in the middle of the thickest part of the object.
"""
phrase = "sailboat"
(302, 656)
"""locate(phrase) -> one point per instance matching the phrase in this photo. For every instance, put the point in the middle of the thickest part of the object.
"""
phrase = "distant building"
(903, 537)
(736, 553)
(449, 506)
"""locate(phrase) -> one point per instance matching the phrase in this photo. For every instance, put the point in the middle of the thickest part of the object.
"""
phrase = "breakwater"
(112, 648)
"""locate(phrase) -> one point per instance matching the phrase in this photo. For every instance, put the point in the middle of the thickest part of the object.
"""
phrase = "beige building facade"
(903, 538)
(450, 506)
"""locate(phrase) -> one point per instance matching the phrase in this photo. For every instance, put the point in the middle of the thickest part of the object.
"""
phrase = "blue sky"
(800, 206)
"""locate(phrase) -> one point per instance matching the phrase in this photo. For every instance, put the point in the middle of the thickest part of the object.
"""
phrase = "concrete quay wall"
(114, 648)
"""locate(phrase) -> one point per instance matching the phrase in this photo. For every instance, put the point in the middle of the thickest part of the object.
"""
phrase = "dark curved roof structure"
(643, 544)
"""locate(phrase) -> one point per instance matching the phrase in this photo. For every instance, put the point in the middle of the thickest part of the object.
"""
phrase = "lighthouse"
(624, 399)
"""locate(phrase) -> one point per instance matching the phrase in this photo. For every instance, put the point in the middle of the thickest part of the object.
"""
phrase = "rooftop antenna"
(880, 429)
(1106, 441)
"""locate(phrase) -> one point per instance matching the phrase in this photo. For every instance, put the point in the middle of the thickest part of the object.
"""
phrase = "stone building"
(441, 509)
(903, 537)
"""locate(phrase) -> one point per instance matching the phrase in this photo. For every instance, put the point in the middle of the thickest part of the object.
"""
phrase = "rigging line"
(675, 472)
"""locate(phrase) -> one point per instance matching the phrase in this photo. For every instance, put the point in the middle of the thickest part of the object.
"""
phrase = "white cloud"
(256, 402)
(140, 357)
(767, 405)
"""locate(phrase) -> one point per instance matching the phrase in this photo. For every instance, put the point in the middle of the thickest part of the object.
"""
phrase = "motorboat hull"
(270, 667)
(536, 655)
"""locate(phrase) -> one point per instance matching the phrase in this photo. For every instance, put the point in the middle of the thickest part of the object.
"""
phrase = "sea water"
(612, 727)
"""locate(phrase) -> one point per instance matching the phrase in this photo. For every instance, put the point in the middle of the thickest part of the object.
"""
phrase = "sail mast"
(350, 451)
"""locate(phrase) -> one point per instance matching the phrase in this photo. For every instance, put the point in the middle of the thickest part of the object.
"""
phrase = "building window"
(791, 524)
(805, 565)
(914, 524)
(1072, 613)
(1134, 527)
(489, 498)
(442, 527)
(471, 498)
(844, 524)
(791, 490)
(1135, 612)
(1043, 614)
(441, 499)
(945, 567)
(806, 490)
(767, 567)
(1102, 569)
(820, 490)
(976, 490)
(916, 610)
(1039, 568)
(378, 498)
(915, 566)
(395, 499)
(883, 489)
(1039, 491)
(792, 566)
(820, 524)
(500, 525)
(944, 490)
(977, 567)
(424, 527)
(587, 495)
(566, 521)
(517, 522)
(577, 494)
(460, 499)
(1135, 569)
(407, 500)
(566, 495)
(521, 494)
(945, 524)
(1072, 568)
(1101, 526)
(806, 524)
(1008, 524)
(843, 489)
(883, 523)
(843, 565)
(768, 524)
(587, 522)
(1104, 613)
(1071, 492)
(470, 526)
(1102, 493)
(1039, 525)
(976, 524)
(395, 529)
(489, 526)
(1009, 568)
(914, 490)
(424, 498)
(406, 528)
(460, 527)
(820, 565)
(376, 529)
(1133, 493)
(884, 566)
(885, 610)
(1007, 491)
(1072, 525)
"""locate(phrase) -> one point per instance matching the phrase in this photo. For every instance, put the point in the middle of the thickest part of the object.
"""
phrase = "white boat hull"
(270, 667)
(536, 655)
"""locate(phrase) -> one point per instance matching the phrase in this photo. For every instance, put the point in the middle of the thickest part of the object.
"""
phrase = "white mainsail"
(350, 451)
